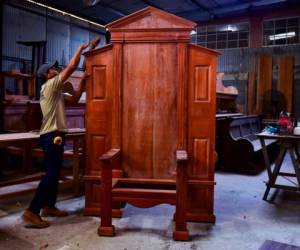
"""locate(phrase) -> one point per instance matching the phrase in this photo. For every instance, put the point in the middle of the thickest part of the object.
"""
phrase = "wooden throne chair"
(150, 118)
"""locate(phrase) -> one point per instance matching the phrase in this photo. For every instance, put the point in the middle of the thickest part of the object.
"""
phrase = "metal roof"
(106, 11)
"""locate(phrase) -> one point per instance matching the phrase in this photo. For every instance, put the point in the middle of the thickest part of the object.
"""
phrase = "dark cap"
(43, 69)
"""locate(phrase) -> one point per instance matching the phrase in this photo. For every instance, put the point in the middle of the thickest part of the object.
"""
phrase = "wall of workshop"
(236, 63)
(25, 22)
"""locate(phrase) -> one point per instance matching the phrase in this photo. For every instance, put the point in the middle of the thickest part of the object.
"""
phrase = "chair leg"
(106, 231)
(181, 233)
(106, 228)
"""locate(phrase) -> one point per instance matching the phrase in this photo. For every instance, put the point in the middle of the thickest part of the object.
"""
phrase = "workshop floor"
(244, 221)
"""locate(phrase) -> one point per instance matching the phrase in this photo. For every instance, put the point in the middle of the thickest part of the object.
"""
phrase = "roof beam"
(109, 8)
(150, 4)
(200, 6)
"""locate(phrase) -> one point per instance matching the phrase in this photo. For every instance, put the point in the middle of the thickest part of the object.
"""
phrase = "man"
(52, 137)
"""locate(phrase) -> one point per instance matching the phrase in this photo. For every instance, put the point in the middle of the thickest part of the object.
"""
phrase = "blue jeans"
(47, 190)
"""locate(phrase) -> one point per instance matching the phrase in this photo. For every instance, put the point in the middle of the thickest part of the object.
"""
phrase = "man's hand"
(94, 42)
(84, 46)
(65, 74)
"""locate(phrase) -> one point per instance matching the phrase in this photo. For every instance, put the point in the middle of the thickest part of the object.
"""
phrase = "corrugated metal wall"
(235, 61)
(241, 60)
(25, 22)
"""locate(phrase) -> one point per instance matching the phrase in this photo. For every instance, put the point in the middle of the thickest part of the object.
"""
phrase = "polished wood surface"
(148, 137)
(151, 93)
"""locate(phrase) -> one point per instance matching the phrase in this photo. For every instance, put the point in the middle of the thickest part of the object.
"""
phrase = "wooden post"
(286, 80)
(181, 232)
(106, 228)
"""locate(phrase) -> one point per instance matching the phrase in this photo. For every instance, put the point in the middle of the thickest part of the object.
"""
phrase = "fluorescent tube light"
(64, 13)
(232, 28)
(282, 36)
(193, 32)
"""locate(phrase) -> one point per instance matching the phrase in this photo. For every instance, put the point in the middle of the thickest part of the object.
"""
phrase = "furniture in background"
(226, 96)
(19, 97)
(221, 120)
(226, 103)
(38, 53)
(28, 141)
(21, 112)
(288, 143)
(150, 106)
(240, 149)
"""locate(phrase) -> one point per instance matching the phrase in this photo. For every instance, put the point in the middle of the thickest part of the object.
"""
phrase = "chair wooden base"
(116, 213)
(106, 231)
(181, 235)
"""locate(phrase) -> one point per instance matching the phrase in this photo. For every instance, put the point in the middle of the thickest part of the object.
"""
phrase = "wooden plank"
(286, 80)
(251, 101)
(146, 136)
(29, 187)
(24, 179)
(264, 80)
(138, 110)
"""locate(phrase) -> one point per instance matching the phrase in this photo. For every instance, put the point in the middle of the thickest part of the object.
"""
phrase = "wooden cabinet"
(150, 93)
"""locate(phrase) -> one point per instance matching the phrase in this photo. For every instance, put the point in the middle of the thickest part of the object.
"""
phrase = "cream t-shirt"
(53, 106)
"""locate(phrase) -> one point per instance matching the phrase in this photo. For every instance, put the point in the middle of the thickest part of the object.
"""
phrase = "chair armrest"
(181, 156)
(110, 155)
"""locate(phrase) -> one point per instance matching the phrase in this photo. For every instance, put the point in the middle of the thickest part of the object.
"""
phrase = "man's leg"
(47, 190)
(46, 193)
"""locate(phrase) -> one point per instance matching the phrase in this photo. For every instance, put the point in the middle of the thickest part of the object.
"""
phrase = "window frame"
(287, 27)
(204, 32)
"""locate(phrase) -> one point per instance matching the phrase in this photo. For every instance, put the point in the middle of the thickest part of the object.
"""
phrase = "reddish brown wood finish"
(26, 116)
(264, 80)
(286, 80)
(155, 94)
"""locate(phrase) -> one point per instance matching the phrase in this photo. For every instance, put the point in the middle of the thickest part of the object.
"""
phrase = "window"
(281, 31)
(222, 36)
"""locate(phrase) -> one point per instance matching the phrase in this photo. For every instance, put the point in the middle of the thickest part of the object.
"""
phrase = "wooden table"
(27, 139)
(288, 143)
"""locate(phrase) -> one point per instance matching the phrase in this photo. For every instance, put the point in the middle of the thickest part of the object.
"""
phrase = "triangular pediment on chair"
(151, 18)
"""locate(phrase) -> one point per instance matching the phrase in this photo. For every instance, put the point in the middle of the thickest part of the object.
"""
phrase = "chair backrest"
(149, 110)
(244, 126)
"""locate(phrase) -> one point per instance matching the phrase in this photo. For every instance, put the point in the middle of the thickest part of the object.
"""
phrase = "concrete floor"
(244, 221)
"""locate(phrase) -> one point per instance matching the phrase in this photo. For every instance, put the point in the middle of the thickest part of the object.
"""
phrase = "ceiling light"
(232, 28)
(282, 36)
(193, 32)
(65, 13)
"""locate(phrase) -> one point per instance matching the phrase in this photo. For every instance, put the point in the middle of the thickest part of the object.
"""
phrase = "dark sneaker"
(53, 212)
(34, 220)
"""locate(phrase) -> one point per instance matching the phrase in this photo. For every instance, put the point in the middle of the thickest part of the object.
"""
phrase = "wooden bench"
(240, 148)
(24, 144)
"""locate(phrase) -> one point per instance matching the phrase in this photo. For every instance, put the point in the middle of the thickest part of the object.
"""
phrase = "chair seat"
(137, 190)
